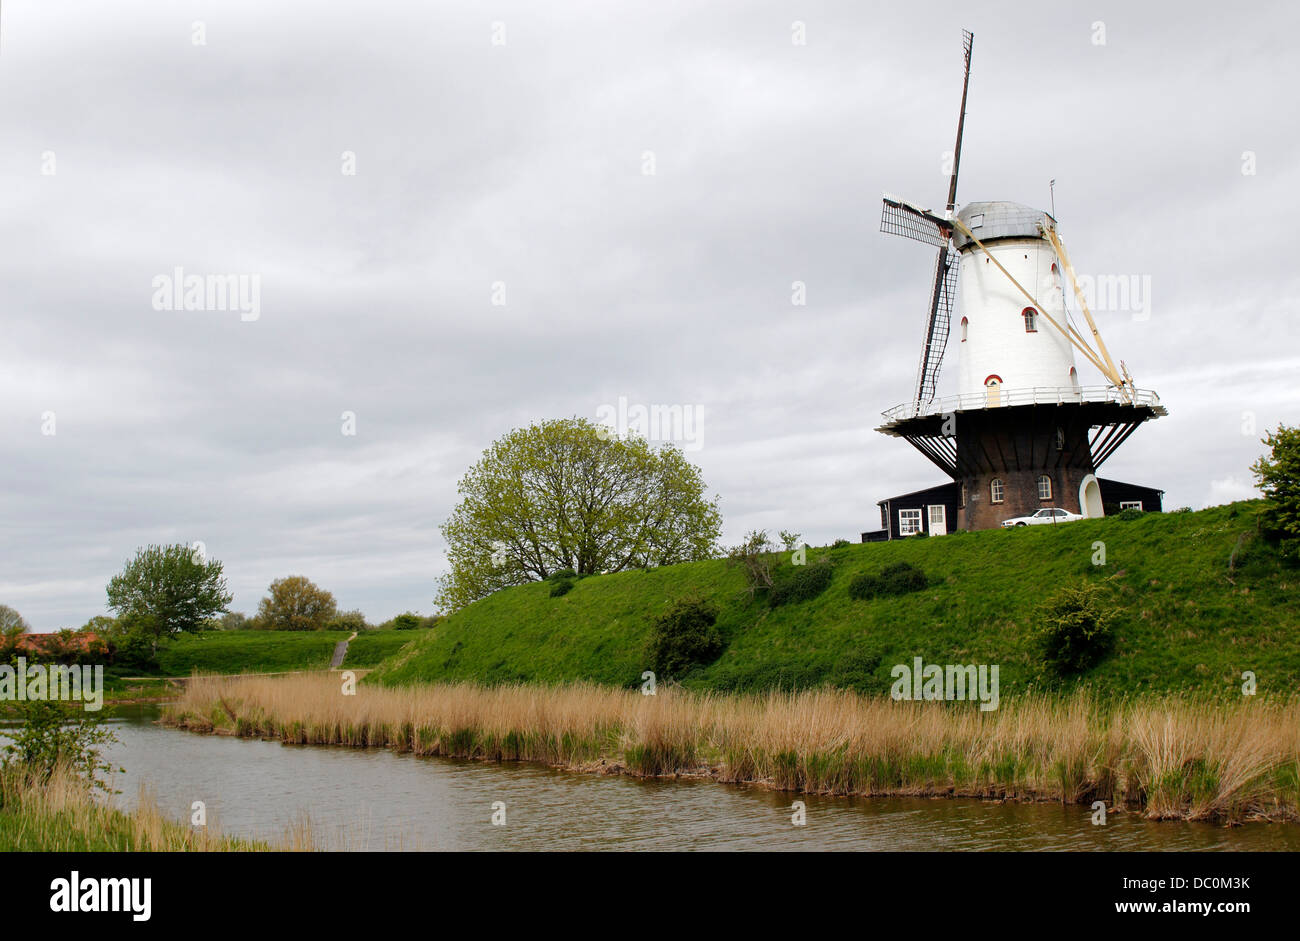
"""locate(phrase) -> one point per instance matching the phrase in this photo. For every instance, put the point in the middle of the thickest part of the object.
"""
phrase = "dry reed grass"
(1170, 758)
(61, 815)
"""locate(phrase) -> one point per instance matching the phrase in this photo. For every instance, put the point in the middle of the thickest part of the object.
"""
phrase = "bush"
(231, 621)
(1130, 513)
(800, 583)
(1075, 633)
(348, 621)
(856, 670)
(562, 575)
(407, 621)
(561, 587)
(55, 734)
(901, 578)
(684, 636)
(839, 543)
(758, 558)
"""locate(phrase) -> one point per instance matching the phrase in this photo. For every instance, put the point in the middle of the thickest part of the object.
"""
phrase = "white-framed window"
(1031, 320)
(1127, 504)
(909, 522)
(1044, 487)
(995, 490)
(1060, 436)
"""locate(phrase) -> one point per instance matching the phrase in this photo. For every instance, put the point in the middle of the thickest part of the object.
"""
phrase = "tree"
(295, 604)
(11, 622)
(563, 494)
(232, 621)
(168, 589)
(1278, 478)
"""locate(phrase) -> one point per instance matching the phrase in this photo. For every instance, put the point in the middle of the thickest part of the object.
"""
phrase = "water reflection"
(374, 799)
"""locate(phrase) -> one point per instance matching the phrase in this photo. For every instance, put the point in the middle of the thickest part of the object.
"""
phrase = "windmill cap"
(999, 220)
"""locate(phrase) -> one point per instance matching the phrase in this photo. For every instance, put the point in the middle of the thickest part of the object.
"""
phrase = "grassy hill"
(274, 651)
(1184, 624)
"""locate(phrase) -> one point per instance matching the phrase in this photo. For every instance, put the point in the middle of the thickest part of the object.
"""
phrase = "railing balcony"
(1005, 398)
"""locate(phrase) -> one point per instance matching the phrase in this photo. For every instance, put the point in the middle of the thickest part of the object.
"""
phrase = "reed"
(1167, 758)
(60, 815)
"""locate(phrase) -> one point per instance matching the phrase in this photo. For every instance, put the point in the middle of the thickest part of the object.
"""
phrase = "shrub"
(800, 583)
(349, 621)
(1130, 513)
(55, 734)
(839, 543)
(856, 670)
(685, 635)
(901, 578)
(407, 621)
(561, 587)
(1074, 633)
(561, 575)
(757, 556)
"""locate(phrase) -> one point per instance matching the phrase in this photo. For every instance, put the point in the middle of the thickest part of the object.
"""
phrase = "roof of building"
(999, 220)
(951, 485)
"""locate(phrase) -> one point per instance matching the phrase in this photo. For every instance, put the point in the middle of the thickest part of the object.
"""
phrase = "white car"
(1046, 515)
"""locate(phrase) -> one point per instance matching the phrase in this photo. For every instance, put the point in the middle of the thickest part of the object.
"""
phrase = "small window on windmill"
(1060, 439)
(1031, 321)
(977, 220)
(1044, 487)
(995, 490)
(963, 494)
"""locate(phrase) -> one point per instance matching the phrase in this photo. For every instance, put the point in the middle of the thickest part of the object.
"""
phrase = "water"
(375, 799)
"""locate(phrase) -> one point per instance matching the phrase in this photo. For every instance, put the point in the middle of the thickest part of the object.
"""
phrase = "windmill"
(1023, 433)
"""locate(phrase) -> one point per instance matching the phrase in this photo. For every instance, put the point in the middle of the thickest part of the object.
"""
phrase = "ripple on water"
(375, 799)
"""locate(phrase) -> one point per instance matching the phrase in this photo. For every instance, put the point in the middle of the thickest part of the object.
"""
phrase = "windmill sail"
(938, 325)
(898, 217)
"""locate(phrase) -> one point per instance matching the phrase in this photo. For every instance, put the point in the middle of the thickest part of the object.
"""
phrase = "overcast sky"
(501, 152)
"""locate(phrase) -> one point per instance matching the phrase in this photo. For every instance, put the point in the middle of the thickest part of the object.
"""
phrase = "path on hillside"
(341, 651)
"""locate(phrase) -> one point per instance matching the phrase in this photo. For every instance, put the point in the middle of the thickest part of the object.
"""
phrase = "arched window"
(992, 381)
(995, 490)
(1031, 320)
(1044, 487)
(964, 325)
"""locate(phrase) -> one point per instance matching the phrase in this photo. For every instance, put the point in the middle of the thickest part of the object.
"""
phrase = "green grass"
(370, 649)
(251, 651)
(1184, 625)
(274, 651)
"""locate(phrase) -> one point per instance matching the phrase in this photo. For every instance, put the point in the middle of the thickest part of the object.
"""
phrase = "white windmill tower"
(1022, 432)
